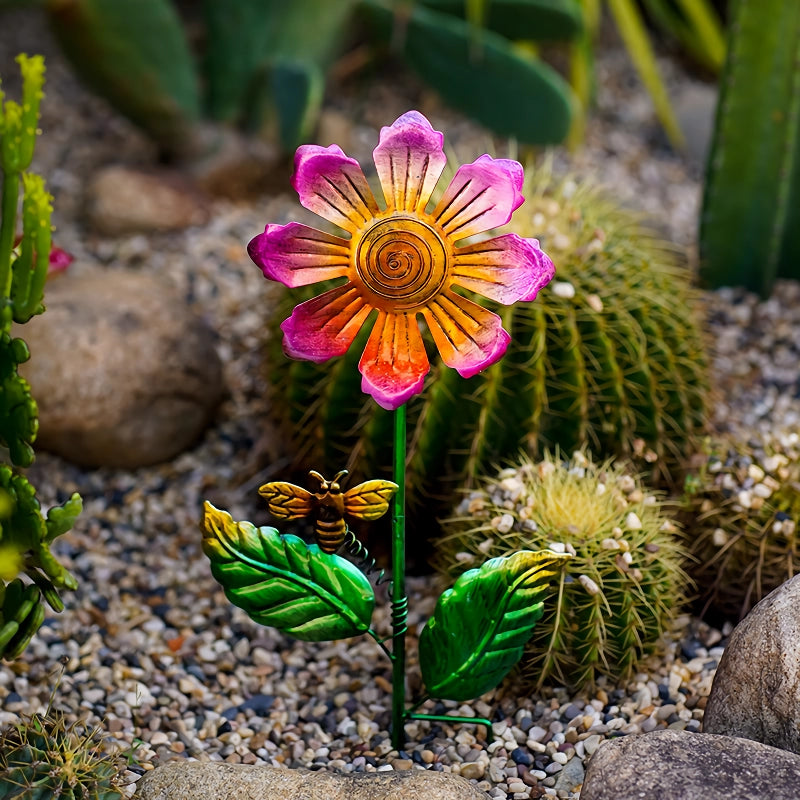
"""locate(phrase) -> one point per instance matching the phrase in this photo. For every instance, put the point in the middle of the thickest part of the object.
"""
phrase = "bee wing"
(369, 500)
(287, 501)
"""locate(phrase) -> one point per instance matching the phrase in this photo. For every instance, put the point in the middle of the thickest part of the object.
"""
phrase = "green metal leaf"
(283, 582)
(538, 20)
(510, 92)
(479, 627)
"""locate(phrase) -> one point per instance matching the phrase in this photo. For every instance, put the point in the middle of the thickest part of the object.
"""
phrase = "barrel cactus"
(45, 757)
(620, 591)
(610, 357)
(741, 514)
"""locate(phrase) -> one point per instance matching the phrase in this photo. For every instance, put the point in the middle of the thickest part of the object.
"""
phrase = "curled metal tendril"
(365, 562)
(399, 616)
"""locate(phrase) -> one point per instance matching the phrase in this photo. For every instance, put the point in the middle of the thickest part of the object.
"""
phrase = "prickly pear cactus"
(741, 513)
(609, 357)
(44, 757)
(617, 595)
(25, 533)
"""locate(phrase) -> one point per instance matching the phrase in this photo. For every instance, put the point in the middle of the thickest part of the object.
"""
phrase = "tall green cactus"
(25, 533)
(750, 223)
(610, 356)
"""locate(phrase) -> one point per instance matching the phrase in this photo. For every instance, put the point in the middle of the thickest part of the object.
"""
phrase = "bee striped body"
(329, 506)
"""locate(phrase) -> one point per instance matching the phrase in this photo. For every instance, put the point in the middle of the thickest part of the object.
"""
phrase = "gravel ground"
(149, 649)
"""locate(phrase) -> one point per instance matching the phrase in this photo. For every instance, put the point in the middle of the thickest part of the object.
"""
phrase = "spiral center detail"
(402, 263)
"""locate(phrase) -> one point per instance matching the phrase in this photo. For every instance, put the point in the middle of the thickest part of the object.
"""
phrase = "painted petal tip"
(514, 173)
(311, 160)
(412, 125)
(391, 398)
(489, 356)
(543, 271)
(258, 246)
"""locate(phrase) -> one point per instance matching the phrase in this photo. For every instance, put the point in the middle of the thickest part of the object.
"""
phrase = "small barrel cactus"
(741, 515)
(620, 591)
(610, 357)
(45, 757)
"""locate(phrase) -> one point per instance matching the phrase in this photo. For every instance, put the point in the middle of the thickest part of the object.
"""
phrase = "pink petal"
(59, 260)
(481, 196)
(297, 255)
(332, 185)
(325, 326)
(409, 159)
(469, 337)
(506, 269)
(394, 363)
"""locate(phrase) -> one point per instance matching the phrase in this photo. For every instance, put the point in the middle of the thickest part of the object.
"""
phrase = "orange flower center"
(401, 263)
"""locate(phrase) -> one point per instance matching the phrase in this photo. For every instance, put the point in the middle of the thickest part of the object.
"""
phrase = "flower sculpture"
(402, 260)
(398, 262)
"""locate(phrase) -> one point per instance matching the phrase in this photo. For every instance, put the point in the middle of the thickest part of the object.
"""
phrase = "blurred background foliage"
(185, 71)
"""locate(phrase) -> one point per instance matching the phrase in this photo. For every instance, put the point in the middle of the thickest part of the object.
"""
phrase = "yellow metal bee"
(329, 505)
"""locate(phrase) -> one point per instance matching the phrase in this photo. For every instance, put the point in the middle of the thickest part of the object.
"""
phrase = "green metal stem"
(399, 599)
(381, 644)
(447, 718)
(8, 218)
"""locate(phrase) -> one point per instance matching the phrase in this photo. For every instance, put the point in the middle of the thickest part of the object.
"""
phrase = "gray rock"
(124, 373)
(122, 200)
(756, 689)
(213, 780)
(571, 776)
(690, 766)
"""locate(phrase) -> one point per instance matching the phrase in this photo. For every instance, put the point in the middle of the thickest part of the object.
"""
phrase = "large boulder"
(123, 372)
(690, 766)
(213, 780)
(756, 690)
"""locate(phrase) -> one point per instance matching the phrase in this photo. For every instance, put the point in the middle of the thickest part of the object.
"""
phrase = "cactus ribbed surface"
(741, 517)
(619, 592)
(43, 758)
(750, 223)
(609, 356)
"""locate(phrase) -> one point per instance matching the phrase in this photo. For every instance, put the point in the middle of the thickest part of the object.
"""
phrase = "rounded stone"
(204, 780)
(756, 689)
(123, 201)
(123, 372)
(689, 766)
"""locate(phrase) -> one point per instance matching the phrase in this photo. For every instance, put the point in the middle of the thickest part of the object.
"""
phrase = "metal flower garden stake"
(400, 261)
